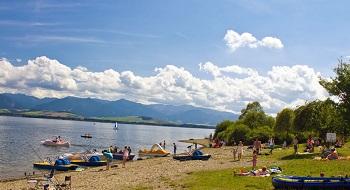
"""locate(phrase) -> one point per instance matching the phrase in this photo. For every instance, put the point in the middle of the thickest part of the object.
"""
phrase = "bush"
(237, 132)
(221, 127)
(263, 133)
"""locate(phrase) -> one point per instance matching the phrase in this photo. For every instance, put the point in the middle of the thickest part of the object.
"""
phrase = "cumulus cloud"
(235, 40)
(230, 88)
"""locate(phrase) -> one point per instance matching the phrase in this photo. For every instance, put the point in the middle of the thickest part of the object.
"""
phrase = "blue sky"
(139, 36)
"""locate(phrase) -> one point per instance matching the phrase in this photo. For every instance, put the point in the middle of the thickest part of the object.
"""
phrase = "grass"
(300, 165)
(135, 119)
(50, 113)
(4, 111)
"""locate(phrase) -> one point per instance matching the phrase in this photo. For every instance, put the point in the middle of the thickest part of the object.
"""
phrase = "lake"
(20, 139)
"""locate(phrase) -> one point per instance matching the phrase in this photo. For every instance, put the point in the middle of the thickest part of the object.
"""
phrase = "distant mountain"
(191, 114)
(89, 107)
(21, 101)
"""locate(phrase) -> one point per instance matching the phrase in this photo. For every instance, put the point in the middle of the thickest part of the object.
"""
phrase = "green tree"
(221, 127)
(262, 132)
(253, 106)
(284, 121)
(237, 132)
(255, 119)
(319, 117)
(340, 87)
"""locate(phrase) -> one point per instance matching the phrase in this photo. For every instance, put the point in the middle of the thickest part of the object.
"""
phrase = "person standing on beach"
(271, 144)
(257, 145)
(255, 158)
(125, 155)
(109, 157)
(235, 151)
(174, 148)
(240, 150)
(129, 149)
(295, 145)
(164, 144)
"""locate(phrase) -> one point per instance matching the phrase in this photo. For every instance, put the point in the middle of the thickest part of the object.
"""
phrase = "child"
(255, 158)
(240, 150)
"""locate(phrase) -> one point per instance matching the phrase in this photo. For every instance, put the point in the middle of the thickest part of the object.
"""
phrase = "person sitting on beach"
(310, 144)
(115, 149)
(261, 172)
(333, 155)
(325, 151)
(284, 145)
(338, 144)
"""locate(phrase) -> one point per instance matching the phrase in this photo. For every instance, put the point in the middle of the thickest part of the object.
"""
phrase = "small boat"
(115, 126)
(155, 151)
(196, 155)
(93, 161)
(57, 141)
(60, 165)
(87, 136)
(297, 182)
(119, 156)
(82, 155)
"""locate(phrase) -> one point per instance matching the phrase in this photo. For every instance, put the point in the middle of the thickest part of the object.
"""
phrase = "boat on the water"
(60, 165)
(92, 162)
(155, 151)
(115, 126)
(119, 156)
(86, 135)
(195, 155)
(297, 182)
(57, 141)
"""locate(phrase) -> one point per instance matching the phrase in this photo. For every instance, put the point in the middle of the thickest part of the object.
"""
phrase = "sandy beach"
(156, 173)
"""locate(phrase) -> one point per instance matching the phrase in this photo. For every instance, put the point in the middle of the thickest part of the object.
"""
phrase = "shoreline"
(198, 126)
(154, 173)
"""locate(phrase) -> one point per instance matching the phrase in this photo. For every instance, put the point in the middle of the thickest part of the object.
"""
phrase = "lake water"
(20, 139)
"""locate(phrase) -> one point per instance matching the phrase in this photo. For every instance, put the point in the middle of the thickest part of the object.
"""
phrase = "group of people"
(57, 139)
(109, 154)
(162, 144)
(329, 153)
(238, 150)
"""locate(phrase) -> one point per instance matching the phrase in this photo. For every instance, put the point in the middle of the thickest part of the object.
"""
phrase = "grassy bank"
(300, 165)
(135, 120)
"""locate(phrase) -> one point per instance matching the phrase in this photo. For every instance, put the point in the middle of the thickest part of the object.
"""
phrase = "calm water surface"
(20, 139)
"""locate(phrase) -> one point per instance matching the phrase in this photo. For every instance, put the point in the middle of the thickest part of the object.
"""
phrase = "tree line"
(316, 118)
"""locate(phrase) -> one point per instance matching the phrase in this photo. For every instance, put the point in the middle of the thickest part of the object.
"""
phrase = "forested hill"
(88, 107)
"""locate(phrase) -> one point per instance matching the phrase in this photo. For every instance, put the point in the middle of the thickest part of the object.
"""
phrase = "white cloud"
(235, 40)
(230, 88)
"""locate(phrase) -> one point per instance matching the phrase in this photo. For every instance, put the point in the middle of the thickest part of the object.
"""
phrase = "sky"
(214, 54)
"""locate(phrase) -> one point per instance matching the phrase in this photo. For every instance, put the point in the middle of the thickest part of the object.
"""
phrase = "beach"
(155, 173)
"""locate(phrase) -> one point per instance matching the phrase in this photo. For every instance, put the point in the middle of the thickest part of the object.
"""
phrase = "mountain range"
(92, 108)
